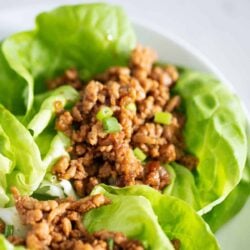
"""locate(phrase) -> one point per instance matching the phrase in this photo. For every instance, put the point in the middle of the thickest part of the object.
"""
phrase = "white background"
(220, 29)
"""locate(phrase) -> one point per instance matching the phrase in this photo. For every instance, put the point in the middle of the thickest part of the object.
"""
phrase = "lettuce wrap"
(216, 132)
(216, 126)
(166, 208)
(91, 38)
(142, 213)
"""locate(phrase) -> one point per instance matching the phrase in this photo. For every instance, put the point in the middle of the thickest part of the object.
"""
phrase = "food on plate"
(124, 128)
(104, 147)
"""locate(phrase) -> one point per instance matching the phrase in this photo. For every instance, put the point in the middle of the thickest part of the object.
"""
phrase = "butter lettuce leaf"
(215, 132)
(21, 164)
(131, 215)
(175, 217)
(234, 202)
(182, 185)
(6, 245)
(40, 121)
(64, 96)
(13, 90)
(89, 37)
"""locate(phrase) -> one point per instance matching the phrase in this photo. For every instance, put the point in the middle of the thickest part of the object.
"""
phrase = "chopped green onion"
(103, 113)
(9, 230)
(111, 125)
(43, 189)
(163, 118)
(131, 107)
(51, 178)
(110, 244)
(139, 154)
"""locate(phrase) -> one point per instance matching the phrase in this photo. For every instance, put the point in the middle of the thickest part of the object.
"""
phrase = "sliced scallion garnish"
(131, 106)
(51, 178)
(163, 118)
(103, 113)
(139, 154)
(110, 244)
(111, 125)
(8, 230)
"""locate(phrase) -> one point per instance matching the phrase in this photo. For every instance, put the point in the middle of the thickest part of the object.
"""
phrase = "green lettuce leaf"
(66, 95)
(182, 185)
(40, 121)
(131, 215)
(216, 133)
(234, 202)
(5, 245)
(57, 148)
(176, 218)
(21, 164)
(12, 88)
(89, 37)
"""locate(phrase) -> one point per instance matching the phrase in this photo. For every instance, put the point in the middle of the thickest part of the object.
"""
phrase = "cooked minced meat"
(57, 224)
(134, 95)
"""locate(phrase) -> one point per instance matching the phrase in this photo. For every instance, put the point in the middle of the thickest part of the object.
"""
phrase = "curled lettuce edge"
(215, 132)
(64, 95)
(235, 201)
(22, 150)
(174, 216)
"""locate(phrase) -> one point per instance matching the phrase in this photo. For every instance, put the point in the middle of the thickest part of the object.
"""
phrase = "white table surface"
(220, 29)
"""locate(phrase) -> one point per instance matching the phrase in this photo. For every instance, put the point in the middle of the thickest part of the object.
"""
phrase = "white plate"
(235, 234)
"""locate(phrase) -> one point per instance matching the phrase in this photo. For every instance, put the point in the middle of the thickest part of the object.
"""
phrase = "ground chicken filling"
(124, 129)
(57, 224)
(142, 133)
